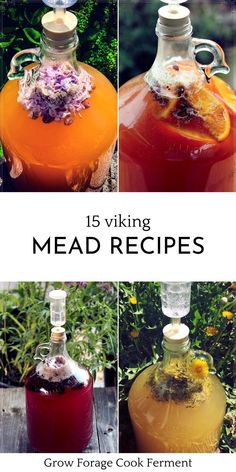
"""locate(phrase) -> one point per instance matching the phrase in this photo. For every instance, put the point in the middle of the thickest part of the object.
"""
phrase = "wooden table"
(13, 434)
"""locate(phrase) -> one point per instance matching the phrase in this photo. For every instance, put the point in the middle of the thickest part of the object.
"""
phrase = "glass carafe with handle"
(59, 126)
(177, 121)
(59, 393)
(178, 404)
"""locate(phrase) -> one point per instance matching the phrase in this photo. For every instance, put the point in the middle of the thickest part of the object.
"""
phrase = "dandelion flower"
(134, 333)
(211, 330)
(228, 315)
(199, 368)
(133, 300)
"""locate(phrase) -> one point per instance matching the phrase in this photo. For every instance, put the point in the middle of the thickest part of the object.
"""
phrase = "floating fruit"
(212, 111)
(191, 134)
(225, 91)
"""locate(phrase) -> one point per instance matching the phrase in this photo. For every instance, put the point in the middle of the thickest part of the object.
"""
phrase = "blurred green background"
(97, 30)
(212, 323)
(91, 320)
(211, 19)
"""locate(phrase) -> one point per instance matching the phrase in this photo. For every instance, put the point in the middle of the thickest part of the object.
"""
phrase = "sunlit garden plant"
(91, 320)
(212, 329)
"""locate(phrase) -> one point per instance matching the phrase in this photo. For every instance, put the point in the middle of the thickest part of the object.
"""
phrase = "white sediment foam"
(176, 74)
(56, 369)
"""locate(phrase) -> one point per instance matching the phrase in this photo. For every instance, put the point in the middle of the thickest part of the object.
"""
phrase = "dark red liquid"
(59, 414)
(172, 152)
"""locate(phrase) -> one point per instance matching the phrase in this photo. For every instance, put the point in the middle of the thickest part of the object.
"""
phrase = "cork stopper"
(174, 19)
(176, 333)
(58, 334)
(176, 337)
(59, 25)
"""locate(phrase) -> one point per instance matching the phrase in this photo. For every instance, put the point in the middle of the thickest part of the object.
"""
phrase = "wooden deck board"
(106, 420)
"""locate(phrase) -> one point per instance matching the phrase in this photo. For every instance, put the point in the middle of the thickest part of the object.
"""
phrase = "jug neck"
(57, 345)
(174, 32)
(59, 51)
(178, 355)
(174, 50)
(175, 71)
(175, 344)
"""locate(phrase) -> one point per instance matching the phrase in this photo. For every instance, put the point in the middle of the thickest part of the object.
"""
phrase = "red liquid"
(172, 151)
(59, 414)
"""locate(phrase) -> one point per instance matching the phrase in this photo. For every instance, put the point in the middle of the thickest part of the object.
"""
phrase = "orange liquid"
(56, 157)
(171, 153)
(168, 426)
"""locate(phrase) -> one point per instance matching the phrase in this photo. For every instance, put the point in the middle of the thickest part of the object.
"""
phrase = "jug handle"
(16, 67)
(218, 65)
(42, 351)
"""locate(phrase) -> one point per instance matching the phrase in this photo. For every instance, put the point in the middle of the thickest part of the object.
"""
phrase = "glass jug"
(178, 405)
(59, 399)
(59, 127)
(177, 121)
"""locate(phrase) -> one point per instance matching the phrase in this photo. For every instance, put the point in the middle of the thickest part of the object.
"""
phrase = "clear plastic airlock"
(175, 298)
(59, 3)
(57, 307)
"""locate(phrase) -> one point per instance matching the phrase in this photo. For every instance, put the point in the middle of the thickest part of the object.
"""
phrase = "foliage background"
(140, 328)
(97, 30)
(211, 19)
(91, 325)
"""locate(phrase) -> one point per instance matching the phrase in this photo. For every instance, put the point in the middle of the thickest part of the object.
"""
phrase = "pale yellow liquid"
(161, 426)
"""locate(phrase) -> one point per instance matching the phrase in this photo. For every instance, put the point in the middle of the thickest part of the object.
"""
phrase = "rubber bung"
(59, 25)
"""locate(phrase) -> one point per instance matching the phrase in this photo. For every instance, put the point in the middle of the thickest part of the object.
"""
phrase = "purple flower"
(57, 92)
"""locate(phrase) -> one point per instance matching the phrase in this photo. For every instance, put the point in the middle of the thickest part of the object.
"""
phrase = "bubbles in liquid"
(176, 78)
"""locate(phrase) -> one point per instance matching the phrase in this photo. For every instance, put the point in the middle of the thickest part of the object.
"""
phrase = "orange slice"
(213, 113)
(225, 91)
(190, 134)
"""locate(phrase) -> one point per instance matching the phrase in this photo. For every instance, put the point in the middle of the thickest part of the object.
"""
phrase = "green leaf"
(32, 35)
(6, 44)
(34, 18)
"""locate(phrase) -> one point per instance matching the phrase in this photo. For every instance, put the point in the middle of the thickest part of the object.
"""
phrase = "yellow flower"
(134, 333)
(228, 314)
(133, 300)
(211, 331)
(199, 368)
